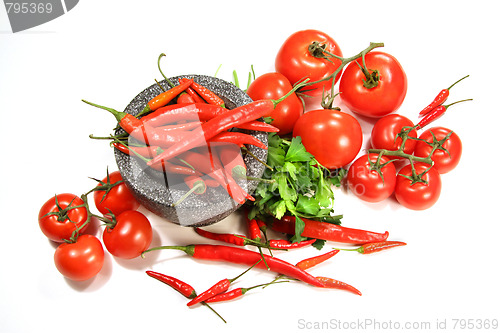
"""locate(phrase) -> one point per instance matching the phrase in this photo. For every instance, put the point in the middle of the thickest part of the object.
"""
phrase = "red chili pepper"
(328, 231)
(194, 95)
(235, 293)
(246, 257)
(254, 231)
(185, 289)
(220, 287)
(230, 156)
(234, 239)
(172, 113)
(313, 261)
(439, 99)
(335, 284)
(182, 287)
(378, 246)
(436, 113)
(258, 126)
(284, 244)
(218, 124)
(154, 137)
(165, 97)
(209, 96)
(184, 126)
(184, 97)
(239, 139)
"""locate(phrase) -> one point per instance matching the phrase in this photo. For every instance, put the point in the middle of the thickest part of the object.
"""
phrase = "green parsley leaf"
(297, 152)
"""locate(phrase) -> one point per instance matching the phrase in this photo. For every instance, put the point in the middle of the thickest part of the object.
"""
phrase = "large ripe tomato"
(366, 182)
(274, 86)
(386, 97)
(81, 260)
(116, 200)
(58, 220)
(296, 62)
(333, 137)
(131, 235)
(418, 196)
(386, 129)
(444, 160)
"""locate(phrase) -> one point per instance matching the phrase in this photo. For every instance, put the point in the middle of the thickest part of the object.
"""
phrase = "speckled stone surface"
(157, 191)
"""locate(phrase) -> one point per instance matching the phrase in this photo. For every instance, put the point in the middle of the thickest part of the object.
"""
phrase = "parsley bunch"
(299, 186)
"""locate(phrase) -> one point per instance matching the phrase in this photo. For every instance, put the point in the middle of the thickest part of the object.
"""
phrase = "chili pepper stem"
(118, 114)
(256, 158)
(457, 82)
(197, 187)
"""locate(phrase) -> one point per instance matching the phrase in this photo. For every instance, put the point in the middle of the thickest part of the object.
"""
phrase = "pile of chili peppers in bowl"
(191, 148)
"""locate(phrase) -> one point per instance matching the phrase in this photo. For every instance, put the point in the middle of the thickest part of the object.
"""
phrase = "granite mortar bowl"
(154, 190)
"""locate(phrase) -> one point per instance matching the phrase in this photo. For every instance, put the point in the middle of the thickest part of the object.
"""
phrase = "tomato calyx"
(437, 144)
(105, 186)
(416, 177)
(378, 165)
(318, 50)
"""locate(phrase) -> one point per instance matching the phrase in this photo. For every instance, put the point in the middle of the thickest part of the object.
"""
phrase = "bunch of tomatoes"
(65, 218)
(371, 84)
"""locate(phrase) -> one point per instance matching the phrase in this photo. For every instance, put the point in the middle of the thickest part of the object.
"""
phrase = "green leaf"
(307, 205)
(299, 228)
(297, 152)
(275, 157)
(319, 243)
(286, 192)
(291, 169)
(278, 209)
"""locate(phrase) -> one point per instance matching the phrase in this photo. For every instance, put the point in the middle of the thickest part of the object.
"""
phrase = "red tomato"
(296, 62)
(118, 199)
(386, 97)
(387, 128)
(366, 183)
(333, 137)
(418, 196)
(60, 226)
(274, 86)
(81, 260)
(444, 160)
(131, 235)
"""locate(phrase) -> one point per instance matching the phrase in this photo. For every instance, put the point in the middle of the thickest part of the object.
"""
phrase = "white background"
(106, 51)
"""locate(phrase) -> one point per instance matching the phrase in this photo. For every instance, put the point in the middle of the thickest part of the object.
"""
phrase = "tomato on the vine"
(80, 260)
(118, 199)
(447, 155)
(333, 137)
(275, 86)
(130, 236)
(58, 218)
(377, 92)
(385, 133)
(295, 61)
(418, 195)
(369, 183)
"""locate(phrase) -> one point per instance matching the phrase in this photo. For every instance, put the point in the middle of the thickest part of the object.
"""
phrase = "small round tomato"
(275, 86)
(385, 133)
(374, 99)
(81, 260)
(418, 195)
(447, 155)
(333, 137)
(368, 183)
(58, 219)
(130, 236)
(116, 200)
(295, 61)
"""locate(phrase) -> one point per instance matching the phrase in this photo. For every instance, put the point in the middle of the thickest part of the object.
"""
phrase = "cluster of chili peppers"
(256, 235)
(187, 131)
